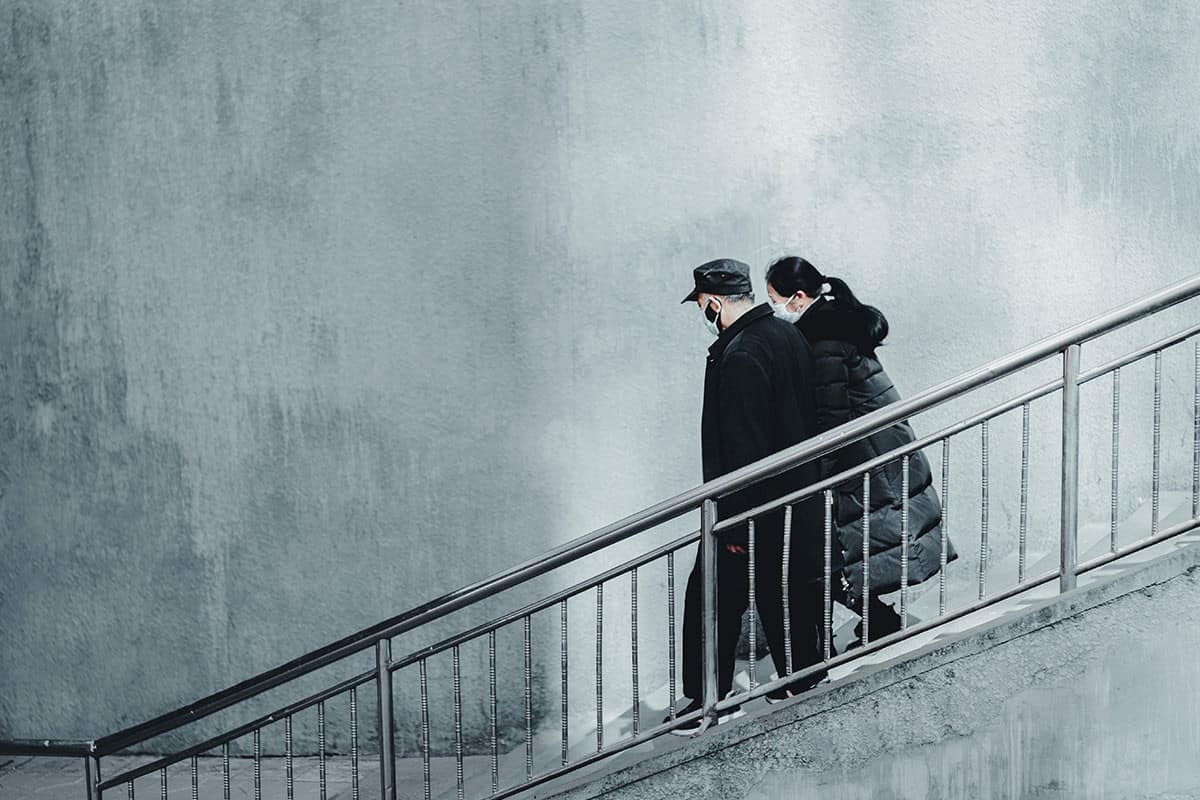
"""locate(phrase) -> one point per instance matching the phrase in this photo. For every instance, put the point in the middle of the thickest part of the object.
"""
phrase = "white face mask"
(781, 311)
(713, 325)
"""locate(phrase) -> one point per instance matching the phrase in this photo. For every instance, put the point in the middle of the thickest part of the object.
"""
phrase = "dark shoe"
(796, 689)
(779, 696)
(691, 727)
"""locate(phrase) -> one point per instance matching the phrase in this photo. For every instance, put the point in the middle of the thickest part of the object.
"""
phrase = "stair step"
(618, 723)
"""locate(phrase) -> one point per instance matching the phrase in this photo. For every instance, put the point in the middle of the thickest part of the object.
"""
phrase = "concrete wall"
(1087, 696)
(312, 311)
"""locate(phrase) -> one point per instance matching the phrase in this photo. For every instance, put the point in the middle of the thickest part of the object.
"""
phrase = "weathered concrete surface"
(310, 312)
(1087, 696)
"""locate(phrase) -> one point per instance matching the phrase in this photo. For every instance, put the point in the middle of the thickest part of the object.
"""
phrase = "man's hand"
(736, 549)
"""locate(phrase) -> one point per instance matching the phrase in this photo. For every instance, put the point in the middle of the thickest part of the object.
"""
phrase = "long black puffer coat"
(850, 382)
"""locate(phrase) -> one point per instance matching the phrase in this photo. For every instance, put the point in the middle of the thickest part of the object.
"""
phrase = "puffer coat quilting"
(850, 382)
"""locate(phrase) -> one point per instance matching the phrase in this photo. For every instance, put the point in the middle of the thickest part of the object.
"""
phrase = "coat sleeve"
(745, 410)
(831, 377)
(745, 435)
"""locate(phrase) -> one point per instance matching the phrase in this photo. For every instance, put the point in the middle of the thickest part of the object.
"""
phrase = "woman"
(850, 382)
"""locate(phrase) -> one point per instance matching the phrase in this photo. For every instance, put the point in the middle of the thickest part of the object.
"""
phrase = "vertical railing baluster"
(1156, 471)
(528, 629)
(225, 787)
(752, 608)
(1196, 436)
(130, 785)
(162, 775)
(1114, 505)
(562, 627)
(827, 631)
(983, 505)
(866, 559)
(599, 667)
(904, 532)
(1069, 528)
(290, 786)
(354, 791)
(943, 559)
(195, 778)
(708, 556)
(426, 772)
(494, 715)
(93, 777)
(787, 612)
(384, 720)
(458, 723)
(257, 764)
(322, 773)
(671, 667)
(633, 648)
(1023, 524)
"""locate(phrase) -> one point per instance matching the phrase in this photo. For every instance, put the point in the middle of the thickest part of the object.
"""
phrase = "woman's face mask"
(781, 310)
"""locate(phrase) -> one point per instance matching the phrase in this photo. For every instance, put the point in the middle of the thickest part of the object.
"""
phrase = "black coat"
(758, 399)
(850, 382)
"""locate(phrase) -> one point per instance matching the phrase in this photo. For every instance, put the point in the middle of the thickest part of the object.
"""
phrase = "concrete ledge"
(1094, 693)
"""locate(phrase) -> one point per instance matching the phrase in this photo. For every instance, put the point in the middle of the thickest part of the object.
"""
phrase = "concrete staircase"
(1093, 541)
(1086, 695)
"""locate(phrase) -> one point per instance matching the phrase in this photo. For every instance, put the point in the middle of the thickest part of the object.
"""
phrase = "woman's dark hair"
(792, 274)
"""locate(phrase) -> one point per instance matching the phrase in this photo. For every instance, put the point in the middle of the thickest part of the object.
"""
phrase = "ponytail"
(792, 274)
(843, 298)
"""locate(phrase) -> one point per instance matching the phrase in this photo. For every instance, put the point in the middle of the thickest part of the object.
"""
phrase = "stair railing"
(379, 638)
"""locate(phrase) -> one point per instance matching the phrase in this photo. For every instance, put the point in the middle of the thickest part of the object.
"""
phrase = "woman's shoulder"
(828, 327)
(832, 348)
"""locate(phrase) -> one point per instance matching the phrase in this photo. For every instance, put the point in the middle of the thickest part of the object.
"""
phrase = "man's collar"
(753, 315)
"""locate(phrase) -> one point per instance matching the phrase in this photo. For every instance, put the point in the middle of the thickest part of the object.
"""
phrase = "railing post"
(708, 549)
(1069, 531)
(383, 681)
(89, 779)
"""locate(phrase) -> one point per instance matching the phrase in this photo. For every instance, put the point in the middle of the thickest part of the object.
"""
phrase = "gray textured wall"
(312, 311)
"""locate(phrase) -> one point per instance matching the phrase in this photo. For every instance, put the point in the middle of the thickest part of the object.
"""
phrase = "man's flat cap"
(724, 276)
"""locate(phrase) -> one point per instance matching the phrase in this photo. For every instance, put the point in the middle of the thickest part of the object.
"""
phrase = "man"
(758, 399)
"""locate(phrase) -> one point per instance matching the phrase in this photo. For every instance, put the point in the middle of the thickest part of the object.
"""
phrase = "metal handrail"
(545, 602)
(1137, 355)
(238, 732)
(1137, 547)
(964, 424)
(654, 515)
(884, 642)
(924, 627)
(68, 748)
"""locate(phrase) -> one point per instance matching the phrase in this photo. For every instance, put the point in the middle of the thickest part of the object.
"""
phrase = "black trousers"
(805, 606)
